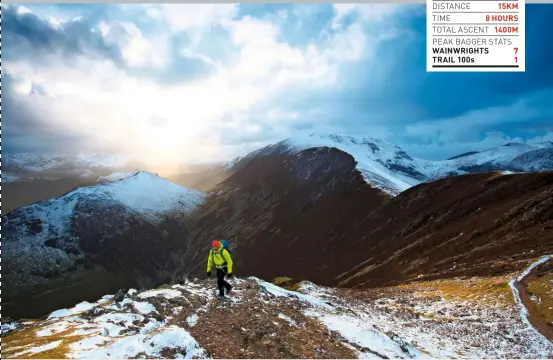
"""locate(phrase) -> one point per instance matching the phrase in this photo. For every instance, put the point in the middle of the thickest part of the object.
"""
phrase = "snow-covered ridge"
(391, 169)
(116, 176)
(142, 192)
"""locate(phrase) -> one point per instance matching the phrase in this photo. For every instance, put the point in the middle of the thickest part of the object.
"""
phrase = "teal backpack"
(226, 246)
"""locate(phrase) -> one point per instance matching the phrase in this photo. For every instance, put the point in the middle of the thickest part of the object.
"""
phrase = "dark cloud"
(396, 91)
(28, 37)
(451, 94)
(183, 65)
(27, 125)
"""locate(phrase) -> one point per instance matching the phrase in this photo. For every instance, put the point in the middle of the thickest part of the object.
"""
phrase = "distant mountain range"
(391, 169)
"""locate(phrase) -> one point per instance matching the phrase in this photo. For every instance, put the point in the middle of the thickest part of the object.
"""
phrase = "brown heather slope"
(474, 225)
(312, 216)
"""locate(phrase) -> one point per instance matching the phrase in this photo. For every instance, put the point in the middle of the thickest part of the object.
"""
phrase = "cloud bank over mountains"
(190, 82)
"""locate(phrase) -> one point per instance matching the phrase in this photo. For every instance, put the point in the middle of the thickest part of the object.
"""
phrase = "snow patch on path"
(361, 333)
(278, 291)
(151, 345)
(79, 308)
(515, 283)
(166, 293)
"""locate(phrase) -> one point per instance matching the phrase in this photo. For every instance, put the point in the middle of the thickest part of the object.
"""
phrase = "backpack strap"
(221, 255)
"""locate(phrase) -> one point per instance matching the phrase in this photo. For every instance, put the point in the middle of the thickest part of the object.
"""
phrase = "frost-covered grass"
(368, 340)
(8, 326)
(425, 320)
(493, 291)
(439, 320)
(101, 330)
(150, 345)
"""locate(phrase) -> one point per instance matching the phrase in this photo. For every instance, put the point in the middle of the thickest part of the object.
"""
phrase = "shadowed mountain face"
(312, 216)
(93, 241)
(287, 215)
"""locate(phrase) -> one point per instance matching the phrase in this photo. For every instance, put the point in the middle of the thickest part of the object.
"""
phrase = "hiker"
(220, 256)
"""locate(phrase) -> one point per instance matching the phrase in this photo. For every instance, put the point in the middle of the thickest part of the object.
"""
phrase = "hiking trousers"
(222, 284)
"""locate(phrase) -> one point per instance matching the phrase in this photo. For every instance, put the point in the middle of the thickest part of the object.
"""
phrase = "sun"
(165, 139)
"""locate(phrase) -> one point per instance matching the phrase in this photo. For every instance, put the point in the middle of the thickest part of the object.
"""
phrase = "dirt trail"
(533, 317)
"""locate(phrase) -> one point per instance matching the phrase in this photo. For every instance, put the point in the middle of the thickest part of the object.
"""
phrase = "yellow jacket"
(221, 258)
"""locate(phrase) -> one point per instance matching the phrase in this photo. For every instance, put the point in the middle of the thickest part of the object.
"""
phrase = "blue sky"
(203, 82)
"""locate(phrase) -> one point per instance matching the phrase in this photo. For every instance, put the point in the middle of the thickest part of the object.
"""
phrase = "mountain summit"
(127, 227)
(391, 169)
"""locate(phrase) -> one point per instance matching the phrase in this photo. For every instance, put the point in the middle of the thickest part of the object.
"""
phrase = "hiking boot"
(222, 298)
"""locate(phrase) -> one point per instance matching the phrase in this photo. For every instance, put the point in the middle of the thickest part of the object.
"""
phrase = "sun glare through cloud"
(172, 83)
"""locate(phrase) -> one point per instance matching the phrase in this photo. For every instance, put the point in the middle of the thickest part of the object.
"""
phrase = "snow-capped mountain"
(534, 160)
(512, 157)
(391, 169)
(383, 165)
(129, 225)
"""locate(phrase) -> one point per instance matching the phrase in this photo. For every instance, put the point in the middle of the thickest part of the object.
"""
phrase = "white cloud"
(366, 13)
(185, 17)
(190, 54)
(115, 107)
(135, 48)
(544, 138)
(22, 10)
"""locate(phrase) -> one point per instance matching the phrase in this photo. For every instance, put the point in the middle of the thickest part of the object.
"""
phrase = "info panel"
(476, 35)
